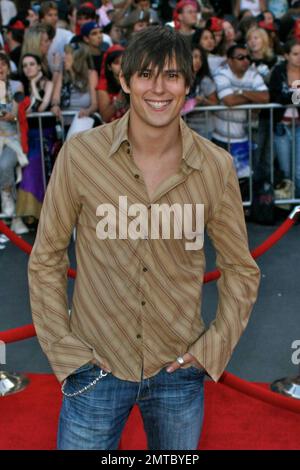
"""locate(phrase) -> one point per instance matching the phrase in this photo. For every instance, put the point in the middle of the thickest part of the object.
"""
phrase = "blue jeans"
(171, 405)
(283, 144)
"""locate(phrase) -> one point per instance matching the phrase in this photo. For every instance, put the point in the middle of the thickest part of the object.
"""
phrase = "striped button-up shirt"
(137, 300)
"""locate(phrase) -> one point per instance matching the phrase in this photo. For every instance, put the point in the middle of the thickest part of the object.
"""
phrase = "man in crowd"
(49, 15)
(237, 84)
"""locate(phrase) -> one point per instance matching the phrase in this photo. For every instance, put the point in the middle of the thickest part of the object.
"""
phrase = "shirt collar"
(192, 153)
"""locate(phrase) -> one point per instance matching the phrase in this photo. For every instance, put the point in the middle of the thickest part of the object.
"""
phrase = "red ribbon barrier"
(230, 380)
(255, 391)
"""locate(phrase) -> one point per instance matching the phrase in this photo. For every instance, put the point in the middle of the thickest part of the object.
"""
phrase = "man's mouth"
(158, 105)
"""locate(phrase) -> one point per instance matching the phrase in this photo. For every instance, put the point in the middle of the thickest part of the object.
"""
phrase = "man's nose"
(158, 84)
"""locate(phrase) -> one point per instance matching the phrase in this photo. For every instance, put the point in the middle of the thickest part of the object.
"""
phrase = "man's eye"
(173, 75)
(145, 74)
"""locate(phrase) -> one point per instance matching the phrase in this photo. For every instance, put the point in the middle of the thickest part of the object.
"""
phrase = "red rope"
(17, 334)
(255, 391)
(252, 390)
(23, 245)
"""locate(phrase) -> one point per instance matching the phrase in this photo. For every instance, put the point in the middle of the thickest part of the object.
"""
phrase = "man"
(49, 15)
(237, 84)
(14, 38)
(135, 334)
(185, 18)
(92, 37)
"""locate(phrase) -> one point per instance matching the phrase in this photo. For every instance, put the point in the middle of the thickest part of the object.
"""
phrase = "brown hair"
(154, 46)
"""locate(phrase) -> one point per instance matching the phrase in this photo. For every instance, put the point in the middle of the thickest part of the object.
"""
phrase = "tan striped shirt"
(137, 301)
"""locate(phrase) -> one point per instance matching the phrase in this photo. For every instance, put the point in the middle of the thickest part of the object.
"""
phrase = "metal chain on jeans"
(87, 387)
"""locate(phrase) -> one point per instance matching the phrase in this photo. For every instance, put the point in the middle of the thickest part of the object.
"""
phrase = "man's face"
(140, 25)
(240, 61)
(144, 4)
(94, 39)
(188, 16)
(51, 17)
(293, 57)
(156, 100)
(81, 20)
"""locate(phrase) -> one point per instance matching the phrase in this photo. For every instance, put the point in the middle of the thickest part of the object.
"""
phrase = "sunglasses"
(242, 57)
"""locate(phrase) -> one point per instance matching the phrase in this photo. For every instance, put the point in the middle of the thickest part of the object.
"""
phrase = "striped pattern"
(232, 125)
(137, 301)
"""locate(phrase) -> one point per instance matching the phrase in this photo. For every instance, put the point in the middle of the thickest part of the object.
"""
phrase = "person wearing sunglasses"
(237, 84)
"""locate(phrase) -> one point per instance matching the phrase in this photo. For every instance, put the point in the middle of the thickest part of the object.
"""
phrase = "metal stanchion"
(12, 383)
(288, 386)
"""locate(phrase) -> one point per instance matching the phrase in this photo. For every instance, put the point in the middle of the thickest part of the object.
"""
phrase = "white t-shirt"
(8, 11)
(232, 125)
(252, 5)
(61, 38)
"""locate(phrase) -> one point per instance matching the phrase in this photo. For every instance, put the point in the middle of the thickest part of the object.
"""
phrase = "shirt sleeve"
(48, 265)
(223, 84)
(237, 286)
(258, 83)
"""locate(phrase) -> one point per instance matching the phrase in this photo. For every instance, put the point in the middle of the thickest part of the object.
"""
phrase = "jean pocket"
(83, 368)
(197, 370)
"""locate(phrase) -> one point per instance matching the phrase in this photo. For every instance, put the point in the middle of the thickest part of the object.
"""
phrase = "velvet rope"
(255, 391)
(230, 380)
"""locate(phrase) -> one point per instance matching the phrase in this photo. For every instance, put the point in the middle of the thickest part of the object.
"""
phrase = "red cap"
(267, 26)
(179, 6)
(216, 24)
(88, 5)
(17, 25)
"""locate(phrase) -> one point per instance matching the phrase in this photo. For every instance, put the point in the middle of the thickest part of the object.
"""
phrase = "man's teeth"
(158, 104)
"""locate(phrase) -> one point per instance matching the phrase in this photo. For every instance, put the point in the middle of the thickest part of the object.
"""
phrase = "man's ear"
(123, 83)
(187, 90)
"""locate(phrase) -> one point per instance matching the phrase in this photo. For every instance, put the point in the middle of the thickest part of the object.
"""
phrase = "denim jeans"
(283, 144)
(171, 405)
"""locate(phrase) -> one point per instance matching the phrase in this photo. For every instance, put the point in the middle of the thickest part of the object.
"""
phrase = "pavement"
(264, 352)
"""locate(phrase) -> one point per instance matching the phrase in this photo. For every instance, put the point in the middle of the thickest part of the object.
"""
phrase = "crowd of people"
(66, 55)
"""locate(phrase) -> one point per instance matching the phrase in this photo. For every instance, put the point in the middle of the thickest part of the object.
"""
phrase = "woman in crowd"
(39, 89)
(37, 41)
(284, 89)
(75, 87)
(111, 100)
(202, 93)
(205, 38)
(261, 53)
(11, 153)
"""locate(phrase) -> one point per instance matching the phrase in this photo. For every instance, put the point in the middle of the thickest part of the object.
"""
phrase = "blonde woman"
(261, 52)
(75, 87)
(37, 41)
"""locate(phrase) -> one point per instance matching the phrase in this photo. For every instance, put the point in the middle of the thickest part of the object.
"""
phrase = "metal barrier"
(253, 134)
(256, 126)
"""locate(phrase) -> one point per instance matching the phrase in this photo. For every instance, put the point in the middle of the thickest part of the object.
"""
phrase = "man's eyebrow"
(164, 70)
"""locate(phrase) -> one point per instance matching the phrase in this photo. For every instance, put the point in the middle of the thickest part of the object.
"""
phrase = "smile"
(158, 105)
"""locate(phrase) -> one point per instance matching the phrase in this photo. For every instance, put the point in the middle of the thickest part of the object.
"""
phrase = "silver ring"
(180, 360)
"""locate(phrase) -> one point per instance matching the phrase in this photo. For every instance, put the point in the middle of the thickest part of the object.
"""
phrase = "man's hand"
(105, 368)
(188, 359)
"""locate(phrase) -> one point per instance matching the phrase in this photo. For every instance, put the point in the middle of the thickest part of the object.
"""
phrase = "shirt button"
(138, 336)
(143, 302)
(145, 270)
(136, 176)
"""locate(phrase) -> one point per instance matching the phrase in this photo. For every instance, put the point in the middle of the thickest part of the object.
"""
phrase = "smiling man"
(135, 334)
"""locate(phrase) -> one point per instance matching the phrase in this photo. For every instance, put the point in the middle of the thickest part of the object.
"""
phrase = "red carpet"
(232, 420)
